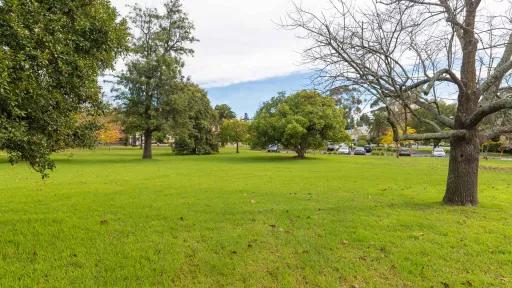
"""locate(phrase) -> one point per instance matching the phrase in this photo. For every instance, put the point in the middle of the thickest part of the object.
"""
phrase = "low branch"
(493, 133)
(434, 136)
(487, 110)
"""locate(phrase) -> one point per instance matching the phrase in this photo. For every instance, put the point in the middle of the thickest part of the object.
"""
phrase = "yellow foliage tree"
(387, 139)
(110, 133)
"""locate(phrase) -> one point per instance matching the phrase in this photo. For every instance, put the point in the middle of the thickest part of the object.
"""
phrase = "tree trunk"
(301, 153)
(237, 150)
(148, 153)
(462, 183)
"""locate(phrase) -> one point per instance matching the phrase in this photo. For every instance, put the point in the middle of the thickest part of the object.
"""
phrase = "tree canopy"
(304, 120)
(192, 121)
(235, 131)
(224, 112)
(51, 54)
(159, 42)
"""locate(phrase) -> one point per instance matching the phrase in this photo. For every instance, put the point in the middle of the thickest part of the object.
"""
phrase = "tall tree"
(402, 52)
(224, 112)
(159, 42)
(51, 54)
(378, 125)
(304, 120)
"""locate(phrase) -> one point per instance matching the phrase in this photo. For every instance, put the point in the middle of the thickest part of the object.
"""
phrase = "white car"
(343, 150)
(438, 152)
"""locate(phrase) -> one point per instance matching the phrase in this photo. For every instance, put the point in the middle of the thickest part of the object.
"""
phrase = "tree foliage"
(389, 139)
(111, 130)
(192, 121)
(158, 45)
(224, 112)
(378, 125)
(51, 54)
(234, 131)
(301, 121)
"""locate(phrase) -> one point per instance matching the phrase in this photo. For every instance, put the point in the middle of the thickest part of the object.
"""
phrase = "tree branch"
(441, 118)
(502, 68)
(434, 136)
(487, 110)
(493, 133)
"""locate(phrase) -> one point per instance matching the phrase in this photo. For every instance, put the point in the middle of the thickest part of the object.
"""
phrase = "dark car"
(368, 149)
(405, 152)
(359, 151)
(273, 148)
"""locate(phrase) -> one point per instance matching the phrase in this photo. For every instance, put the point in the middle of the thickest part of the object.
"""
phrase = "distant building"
(357, 132)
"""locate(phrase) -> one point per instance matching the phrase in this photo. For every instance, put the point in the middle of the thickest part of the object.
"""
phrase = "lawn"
(107, 219)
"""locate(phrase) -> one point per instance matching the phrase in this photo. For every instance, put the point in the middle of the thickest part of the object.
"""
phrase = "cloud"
(239, 40)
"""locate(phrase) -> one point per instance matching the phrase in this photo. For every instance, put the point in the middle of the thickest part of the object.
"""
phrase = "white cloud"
(239, 39)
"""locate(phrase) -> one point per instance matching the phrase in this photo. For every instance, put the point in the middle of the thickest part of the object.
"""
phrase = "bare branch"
(494, 133)
(487, 110)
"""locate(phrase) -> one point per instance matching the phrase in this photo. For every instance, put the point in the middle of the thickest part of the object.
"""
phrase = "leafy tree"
(422, 126)
(111, 131)
(378, 125)
(224, 112)
(301, 121)
(157, 47)
(349, 99)
(389, 139)
(362, 140)
(192, 121)
(235, 131)
(160, 137)
(364, 120)
(51, 54)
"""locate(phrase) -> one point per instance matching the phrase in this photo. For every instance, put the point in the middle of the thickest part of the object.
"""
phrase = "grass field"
(108, 219)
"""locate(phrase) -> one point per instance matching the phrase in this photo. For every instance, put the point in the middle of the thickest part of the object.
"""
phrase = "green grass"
(108, 219)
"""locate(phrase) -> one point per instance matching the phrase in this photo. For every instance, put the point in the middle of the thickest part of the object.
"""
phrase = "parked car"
(368, 149)
(273, 148)
(344, 150)
(405, 152)
(359, 151)
(438, 152)
(332, 147)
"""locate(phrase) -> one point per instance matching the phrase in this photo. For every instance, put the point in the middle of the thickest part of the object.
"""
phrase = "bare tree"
(410, 54)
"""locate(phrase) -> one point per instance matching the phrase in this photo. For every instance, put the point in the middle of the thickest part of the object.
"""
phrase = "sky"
(243, 57)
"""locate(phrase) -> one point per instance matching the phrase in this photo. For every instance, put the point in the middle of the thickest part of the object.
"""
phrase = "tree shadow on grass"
(246, 159)
(102, 161)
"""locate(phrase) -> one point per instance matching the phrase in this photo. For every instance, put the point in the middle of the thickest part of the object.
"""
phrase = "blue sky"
(243, 57)
(246, 97)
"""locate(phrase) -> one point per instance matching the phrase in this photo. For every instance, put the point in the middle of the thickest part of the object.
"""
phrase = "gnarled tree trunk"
(462, 183)
(148, 137)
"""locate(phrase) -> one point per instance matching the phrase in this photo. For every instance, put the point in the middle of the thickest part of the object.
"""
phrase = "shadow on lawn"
(246, 159)
(102, 161)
